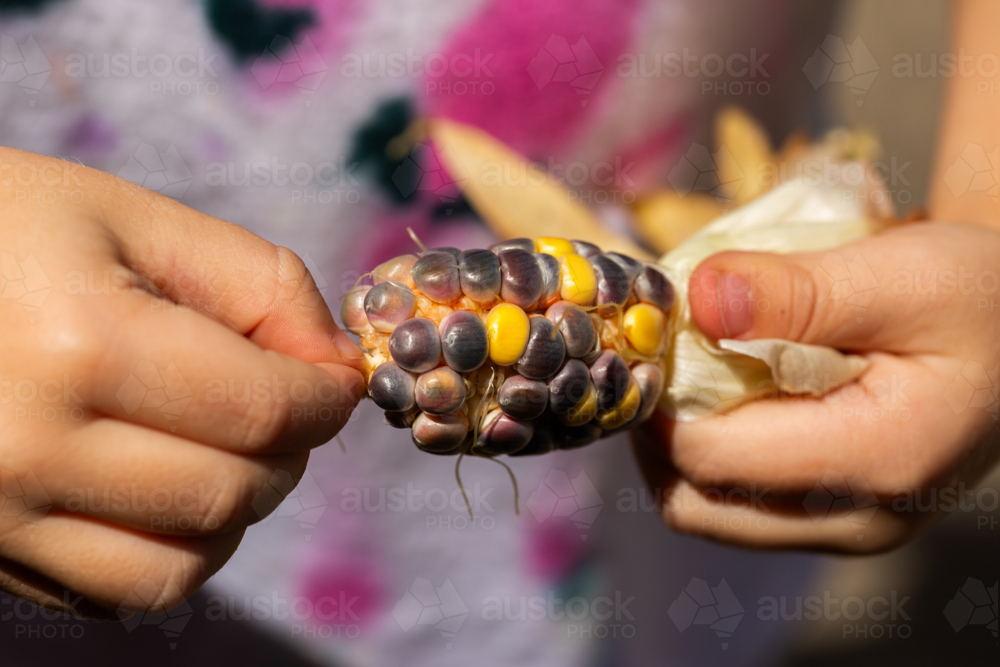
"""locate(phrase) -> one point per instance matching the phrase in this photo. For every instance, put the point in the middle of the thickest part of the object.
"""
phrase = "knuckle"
(293, 281)
(157, 587)
(703, 465)
(259, 424)
(806, 324)
(290, 266)
(797, 292)
(228, 503)
(72, 337)
(186, 573)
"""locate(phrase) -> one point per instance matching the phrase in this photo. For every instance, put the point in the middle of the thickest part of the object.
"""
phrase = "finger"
(785, 447)
(156, 482)
(899, 292)
(114, 566)
(26, 584)
(177, 370)
(691, 510)
(734, 516)
(250, 285)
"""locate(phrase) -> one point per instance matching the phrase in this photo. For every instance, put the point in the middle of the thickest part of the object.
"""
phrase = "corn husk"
(797, 216)
(747, 166)
(703, 377)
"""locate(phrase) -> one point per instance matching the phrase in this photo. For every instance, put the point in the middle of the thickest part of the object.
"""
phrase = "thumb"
(846, 298)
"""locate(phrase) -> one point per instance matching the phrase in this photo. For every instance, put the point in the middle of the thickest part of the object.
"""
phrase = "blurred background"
(676, 600)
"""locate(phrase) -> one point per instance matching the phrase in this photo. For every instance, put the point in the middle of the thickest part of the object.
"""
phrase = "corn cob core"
(533, 345)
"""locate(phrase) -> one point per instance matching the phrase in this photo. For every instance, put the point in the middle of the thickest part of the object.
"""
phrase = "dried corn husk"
(706, 378)
(746, 166)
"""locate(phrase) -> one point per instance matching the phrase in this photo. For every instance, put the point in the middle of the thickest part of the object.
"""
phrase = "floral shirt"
(284, 116)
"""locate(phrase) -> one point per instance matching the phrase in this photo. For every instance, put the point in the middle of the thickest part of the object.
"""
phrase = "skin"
(904, 426)
(140, 282)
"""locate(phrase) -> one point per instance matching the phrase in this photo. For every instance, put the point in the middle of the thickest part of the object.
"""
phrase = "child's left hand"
(921, 420)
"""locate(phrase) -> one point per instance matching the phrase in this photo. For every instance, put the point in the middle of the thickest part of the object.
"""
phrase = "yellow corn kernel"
(645, 328)
(582, 412)
(507, 329)
(578, 282)
(551, 245)
(624, 412)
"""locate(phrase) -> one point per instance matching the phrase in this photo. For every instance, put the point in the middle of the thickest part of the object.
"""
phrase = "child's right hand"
(176, 363)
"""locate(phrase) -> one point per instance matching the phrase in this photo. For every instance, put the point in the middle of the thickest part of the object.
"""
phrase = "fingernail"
(735, 304)
(348, 350)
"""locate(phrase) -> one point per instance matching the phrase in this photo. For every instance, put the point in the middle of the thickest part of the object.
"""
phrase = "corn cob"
(529, 346)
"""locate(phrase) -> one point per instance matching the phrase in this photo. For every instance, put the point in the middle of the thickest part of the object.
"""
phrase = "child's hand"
(174, 365)
(922, 302)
